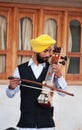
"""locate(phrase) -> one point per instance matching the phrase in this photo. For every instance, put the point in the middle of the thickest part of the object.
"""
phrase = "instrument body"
(46, 97)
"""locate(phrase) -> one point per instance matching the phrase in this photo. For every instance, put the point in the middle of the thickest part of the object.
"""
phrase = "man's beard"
(40, 59)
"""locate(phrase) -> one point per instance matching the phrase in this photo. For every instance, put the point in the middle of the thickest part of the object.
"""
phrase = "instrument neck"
(50, 76)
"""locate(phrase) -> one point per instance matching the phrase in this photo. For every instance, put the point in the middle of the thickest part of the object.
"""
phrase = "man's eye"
(47, 50)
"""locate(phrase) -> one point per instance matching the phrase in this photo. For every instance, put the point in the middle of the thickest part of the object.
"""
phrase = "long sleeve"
(61, 84)
(11, 93)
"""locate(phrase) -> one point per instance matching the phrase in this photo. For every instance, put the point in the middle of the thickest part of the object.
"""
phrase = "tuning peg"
(62, 62)
(57, 49)
(65, 58)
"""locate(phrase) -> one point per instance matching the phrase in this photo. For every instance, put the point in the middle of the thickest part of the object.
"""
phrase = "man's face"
(44, 56)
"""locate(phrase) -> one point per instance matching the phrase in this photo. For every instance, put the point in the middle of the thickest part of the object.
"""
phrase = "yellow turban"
(42, 42)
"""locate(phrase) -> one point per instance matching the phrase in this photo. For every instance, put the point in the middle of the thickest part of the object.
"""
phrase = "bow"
(41, 84)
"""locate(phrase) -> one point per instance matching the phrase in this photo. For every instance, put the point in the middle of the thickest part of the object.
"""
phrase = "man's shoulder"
(23, 64)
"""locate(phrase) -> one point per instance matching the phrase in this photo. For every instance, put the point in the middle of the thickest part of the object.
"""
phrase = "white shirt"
(60, 83)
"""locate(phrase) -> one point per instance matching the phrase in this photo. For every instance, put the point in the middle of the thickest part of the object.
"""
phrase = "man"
(33, 115)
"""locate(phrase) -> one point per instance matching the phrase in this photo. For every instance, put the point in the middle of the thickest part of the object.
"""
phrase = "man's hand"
(57, 70)
(14, 82)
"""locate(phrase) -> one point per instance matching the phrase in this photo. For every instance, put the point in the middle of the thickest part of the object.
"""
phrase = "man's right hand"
(14, 82)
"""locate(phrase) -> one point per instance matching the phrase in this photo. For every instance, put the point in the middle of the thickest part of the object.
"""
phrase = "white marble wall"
(67, 115)
(9, 109)
(68, 110)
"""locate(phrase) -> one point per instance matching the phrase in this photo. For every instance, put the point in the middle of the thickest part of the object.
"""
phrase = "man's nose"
(48, 54)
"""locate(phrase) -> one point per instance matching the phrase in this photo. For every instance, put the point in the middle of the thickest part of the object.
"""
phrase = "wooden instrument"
(46, 96)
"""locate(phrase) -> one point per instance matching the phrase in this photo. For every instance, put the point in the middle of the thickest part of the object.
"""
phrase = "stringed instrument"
(46, 95)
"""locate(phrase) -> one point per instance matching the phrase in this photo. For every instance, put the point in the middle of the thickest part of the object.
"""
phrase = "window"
(3, 45)
(74, 51)
(25, 35)
(74, 46)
